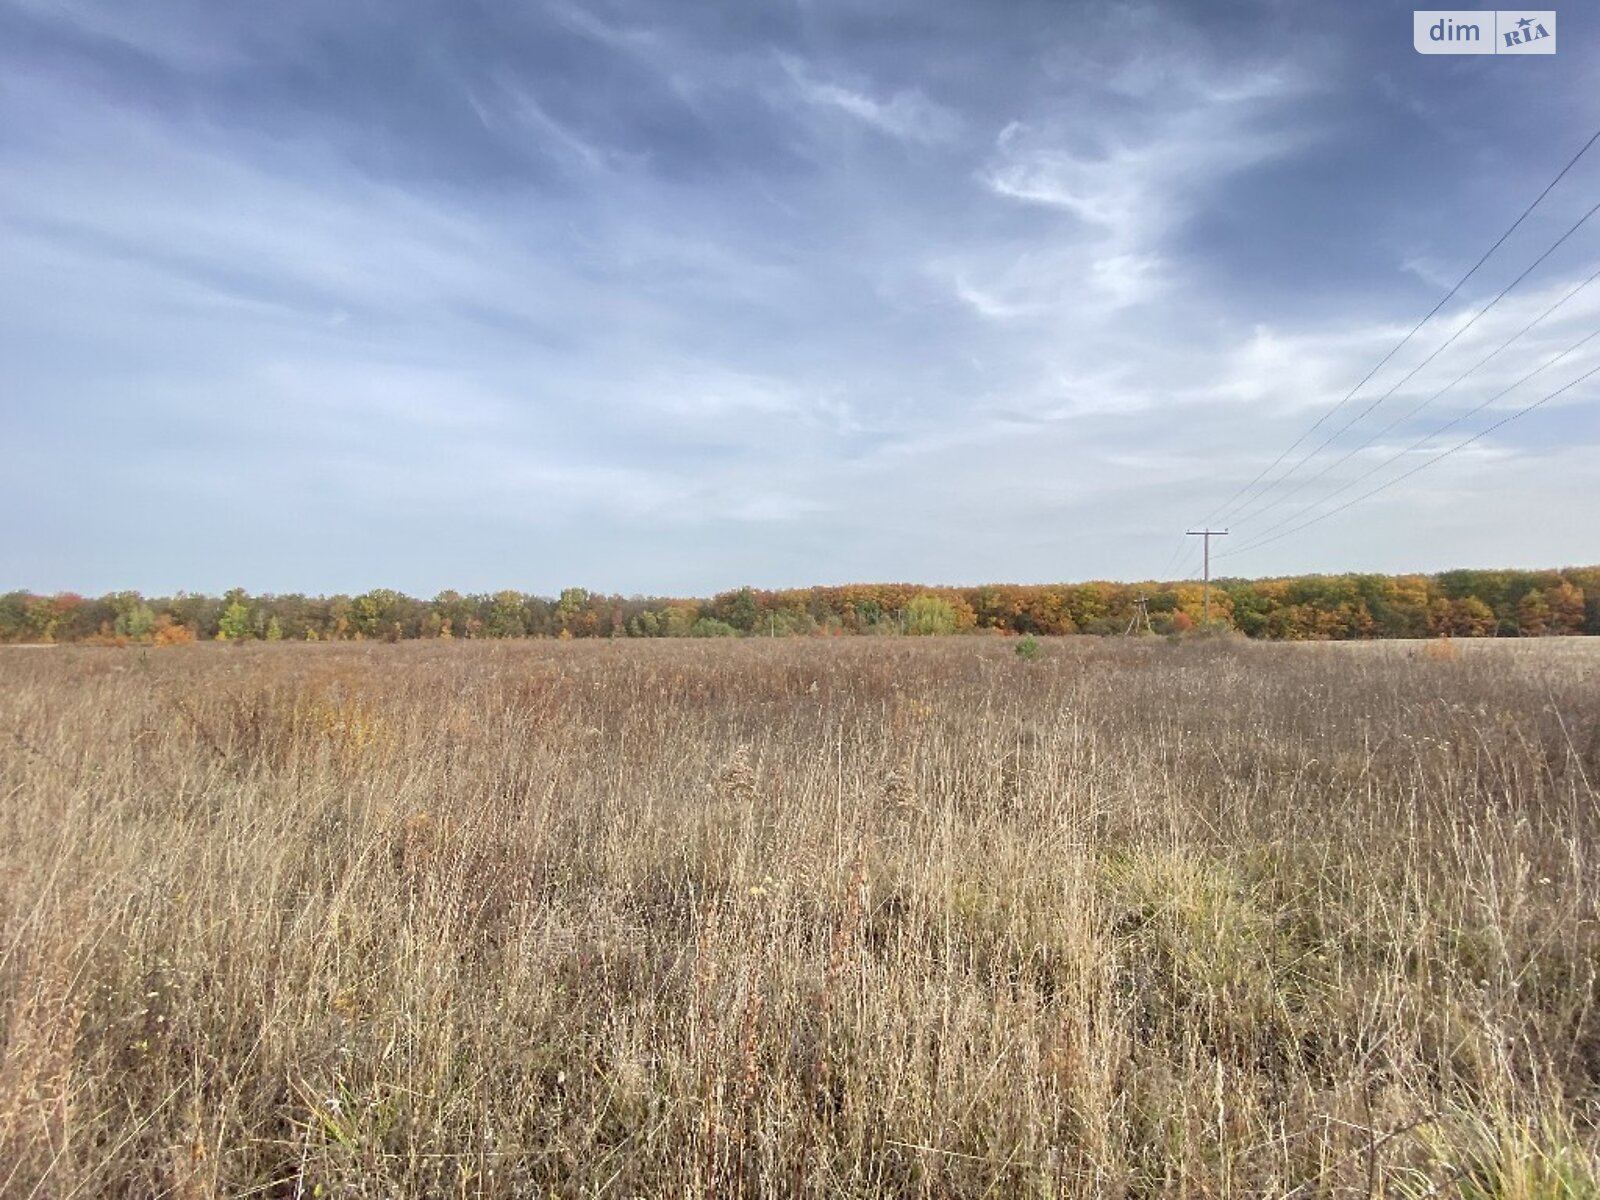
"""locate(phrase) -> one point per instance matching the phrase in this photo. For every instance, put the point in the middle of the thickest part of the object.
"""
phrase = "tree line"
(1313, 607)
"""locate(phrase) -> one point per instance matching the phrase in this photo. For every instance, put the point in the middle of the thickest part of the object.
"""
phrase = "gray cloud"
(476, 295)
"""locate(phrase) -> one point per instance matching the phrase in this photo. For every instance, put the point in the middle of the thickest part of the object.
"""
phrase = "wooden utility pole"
(1141, 614)
(1208, 534)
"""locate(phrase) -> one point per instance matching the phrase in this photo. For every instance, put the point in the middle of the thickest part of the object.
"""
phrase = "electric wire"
(1481, 434)
(1175, 558)
(1409, 375)
(1416, 409)
(1227, 505)
(1422, 441)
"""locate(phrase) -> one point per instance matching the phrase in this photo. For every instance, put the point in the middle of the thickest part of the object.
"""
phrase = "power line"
(1188, 556)
(1422, 441)
(1400, 420)
(1504, 421)
(1207, 534)
(1226, 504)
(1192, 556)
(1178, 551)
(1406, 378)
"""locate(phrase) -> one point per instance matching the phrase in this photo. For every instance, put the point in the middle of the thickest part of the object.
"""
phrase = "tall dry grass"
(871, 918)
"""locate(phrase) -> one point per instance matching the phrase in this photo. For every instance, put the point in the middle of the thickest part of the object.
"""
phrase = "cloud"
(907, 115)
(674, 301)
(1129, 186)
(520, 109)
(1134, 179)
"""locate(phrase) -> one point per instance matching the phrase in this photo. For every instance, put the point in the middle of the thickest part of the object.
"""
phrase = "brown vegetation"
(829, 918)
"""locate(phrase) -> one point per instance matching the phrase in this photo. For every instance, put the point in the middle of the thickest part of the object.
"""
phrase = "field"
(807, 917)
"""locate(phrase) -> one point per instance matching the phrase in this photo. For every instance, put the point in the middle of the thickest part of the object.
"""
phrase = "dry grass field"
(868, 917)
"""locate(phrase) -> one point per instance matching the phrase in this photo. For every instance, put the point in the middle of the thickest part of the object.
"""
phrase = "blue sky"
(665, 297)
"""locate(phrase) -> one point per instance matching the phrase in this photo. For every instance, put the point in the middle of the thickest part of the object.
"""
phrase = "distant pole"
(1141, 612)
(1208, 534)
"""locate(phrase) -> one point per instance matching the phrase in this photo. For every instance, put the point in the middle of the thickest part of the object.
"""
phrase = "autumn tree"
(1565, 603)
(168, 632)
(1466, 603)
(575, 614)
(373, 614)
(1533, 615)
(1471, 617)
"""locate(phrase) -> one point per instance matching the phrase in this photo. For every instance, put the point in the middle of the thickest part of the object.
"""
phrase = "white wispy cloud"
(518, 107)
(907, 114)
(1128, 185)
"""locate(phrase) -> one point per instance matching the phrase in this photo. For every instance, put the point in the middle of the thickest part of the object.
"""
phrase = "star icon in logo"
(1525, 22)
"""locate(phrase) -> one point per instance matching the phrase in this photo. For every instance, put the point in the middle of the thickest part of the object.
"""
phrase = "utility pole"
(1208, 534)
(1141, 615)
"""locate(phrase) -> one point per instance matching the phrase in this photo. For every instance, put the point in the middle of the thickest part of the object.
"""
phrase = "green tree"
(930, 616)
(679, 620)
(453, 612)
(575, 613)
(505, 617)
(234, 624)
(739, 609)
(13, 615)
(135, 619)
(374, 613)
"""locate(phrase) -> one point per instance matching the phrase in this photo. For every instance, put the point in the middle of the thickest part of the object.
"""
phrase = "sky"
(665, 298)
